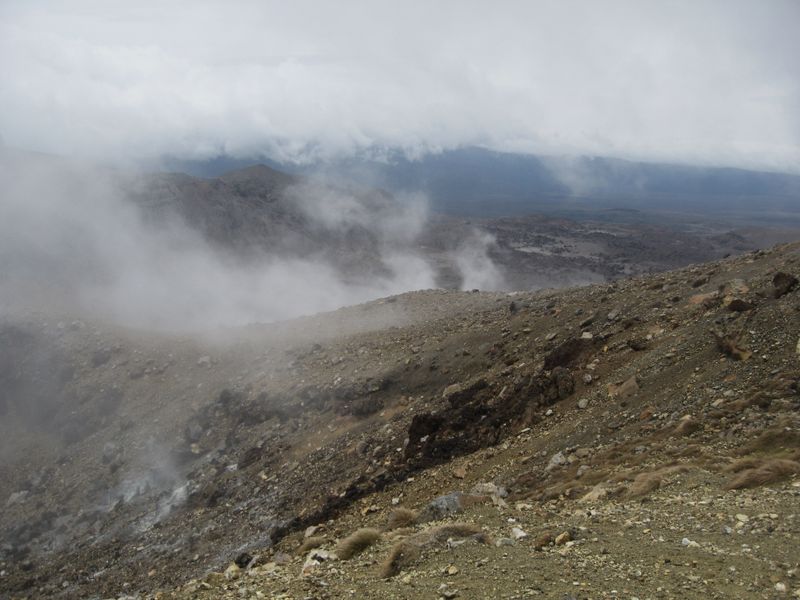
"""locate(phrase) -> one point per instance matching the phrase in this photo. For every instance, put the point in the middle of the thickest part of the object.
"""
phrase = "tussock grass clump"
(401, 517)
(773, 440)
(649, 481)
(401, 555)
(756, 473)
(455, 530)
(356, 543)
(729, 345)
(569, 489)
(309, 544)
(759, 399)
(686, 426)
(742, 464)
(406, 552)
(544, 539)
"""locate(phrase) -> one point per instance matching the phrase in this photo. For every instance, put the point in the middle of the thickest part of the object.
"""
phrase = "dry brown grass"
(400, 556)
(455, 530)
(686, 426)
(760, 399)
(742, 464)
(401, 517)
(768, 470)
(544, 539)
(568, 489)
(408, 551)
(646, 482)
(593, 477)
(773, 440)
(470, 500)
(310, 544)
(729, 345)
(356, 543)
(620, 476)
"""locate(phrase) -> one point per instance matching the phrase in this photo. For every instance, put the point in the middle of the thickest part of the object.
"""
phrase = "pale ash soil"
(652, 420)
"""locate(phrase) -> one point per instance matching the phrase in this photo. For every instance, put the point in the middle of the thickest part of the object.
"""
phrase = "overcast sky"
(690, 81)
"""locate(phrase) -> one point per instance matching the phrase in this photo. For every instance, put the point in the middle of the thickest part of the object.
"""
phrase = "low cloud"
(706, 82)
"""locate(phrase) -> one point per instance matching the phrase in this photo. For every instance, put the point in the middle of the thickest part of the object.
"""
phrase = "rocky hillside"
(71, 231)
(261, 210)
(633, 439)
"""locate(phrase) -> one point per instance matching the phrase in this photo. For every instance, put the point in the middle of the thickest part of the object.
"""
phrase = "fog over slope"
(171, 252)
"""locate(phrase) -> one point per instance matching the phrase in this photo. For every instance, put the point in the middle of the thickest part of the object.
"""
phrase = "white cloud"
(714, 82)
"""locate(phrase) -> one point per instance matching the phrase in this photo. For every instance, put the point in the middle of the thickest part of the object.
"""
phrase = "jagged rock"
(708, 300)
(783, 283)
(728, 344)
(566, 353)
(556, 461)
(736, 287)
(739, 305)
(564, 381)
(101, 357)
(447, 592)
(17, 498)
(625, 390)
(637, 345)
(562, 538)
(459, 393)
(504, 541)
(243, 560)
(193, 431)
(441, 507)
(545, 539)
(489, 489)
(232, 572)
(110, 452)
(310, 531)
(314, 559)
(597, 493)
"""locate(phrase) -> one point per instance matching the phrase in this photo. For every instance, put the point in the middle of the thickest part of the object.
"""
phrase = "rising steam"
(71, 240)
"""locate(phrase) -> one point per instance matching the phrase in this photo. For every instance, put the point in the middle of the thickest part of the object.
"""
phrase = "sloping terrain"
(639, 438)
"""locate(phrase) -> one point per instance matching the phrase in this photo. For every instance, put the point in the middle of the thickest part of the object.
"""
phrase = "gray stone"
(557, 460)
(17, 498)
(441, 507)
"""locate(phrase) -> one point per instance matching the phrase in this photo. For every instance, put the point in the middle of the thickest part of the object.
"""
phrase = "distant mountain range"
(483, 183)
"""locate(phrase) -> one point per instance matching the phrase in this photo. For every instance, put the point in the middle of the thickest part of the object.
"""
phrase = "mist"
(71, 240)
(706, 82)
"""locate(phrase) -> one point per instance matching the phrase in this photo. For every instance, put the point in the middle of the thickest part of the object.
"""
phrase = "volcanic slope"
(639, 438)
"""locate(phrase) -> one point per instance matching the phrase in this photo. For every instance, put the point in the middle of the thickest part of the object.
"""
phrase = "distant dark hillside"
(479, 182)
(261, 209)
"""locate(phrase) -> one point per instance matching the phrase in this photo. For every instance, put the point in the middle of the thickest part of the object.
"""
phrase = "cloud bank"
(709, 82)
